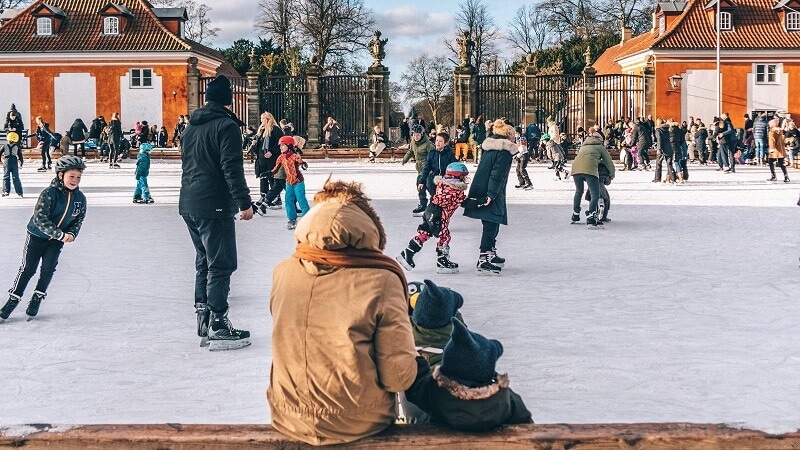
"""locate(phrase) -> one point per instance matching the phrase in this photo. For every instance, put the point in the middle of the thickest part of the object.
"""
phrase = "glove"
(304, 165)
(20, 162)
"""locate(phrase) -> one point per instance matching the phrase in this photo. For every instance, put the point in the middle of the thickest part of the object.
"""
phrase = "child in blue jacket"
(142, 192)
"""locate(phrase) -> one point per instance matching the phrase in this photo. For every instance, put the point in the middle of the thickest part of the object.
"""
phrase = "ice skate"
(138, 200)
(593, 223)
(496, 260)
(149, 201)
(528, 187)
(406, 258)
(222, 335)
(33, 305)
(576, 217)
(201, 309)
(8, 308)
(275, 205)
(485, 267)
(443, 263)
(772, 178)
(291, 225)
(418, 211)
(786, 179)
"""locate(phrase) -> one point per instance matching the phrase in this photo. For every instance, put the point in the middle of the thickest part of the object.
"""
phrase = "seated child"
(436, 219)
(430, 319)
(465, 392)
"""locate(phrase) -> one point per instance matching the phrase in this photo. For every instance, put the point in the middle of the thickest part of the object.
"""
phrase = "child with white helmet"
(450, 193)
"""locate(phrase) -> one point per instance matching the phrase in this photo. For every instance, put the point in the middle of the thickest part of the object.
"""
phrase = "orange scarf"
(351, 257)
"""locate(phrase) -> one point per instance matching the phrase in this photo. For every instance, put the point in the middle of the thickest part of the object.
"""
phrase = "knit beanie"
(219, 90)
(470, 358)
(435, 306)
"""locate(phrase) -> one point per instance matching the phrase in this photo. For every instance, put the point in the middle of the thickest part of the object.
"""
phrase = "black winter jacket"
(490, 180)
(263, 164)
(58, 211)
(212, 179)
(662, 139)
(435, 165)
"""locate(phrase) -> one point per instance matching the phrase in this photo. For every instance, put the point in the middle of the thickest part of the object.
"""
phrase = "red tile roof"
(756, 26)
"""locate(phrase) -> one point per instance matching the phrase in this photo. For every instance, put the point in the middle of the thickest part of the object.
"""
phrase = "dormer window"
(793, 21)
(662, 25)
(111, 25)
(725, 21)
(44, 26)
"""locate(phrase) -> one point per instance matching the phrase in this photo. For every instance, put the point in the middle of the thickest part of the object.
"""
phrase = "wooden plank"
(552, 437)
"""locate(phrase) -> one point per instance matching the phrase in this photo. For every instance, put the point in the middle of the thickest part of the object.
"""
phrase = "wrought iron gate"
(501, 96)
(345, 97)
(618, 96)
(286, 98)
(239, 87)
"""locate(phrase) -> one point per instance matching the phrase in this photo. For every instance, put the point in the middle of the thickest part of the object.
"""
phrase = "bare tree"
(474, 17)
(528, 31)
(198, 28)
(585, 18)
(334, 29)
(427, 79)
(275, 21)
(5, 4)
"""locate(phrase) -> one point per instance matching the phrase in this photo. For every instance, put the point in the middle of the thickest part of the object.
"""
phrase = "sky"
(412, 26)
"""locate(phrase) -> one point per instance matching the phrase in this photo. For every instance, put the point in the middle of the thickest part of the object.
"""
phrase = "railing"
(619, 96)
(344, 97)
(501, 96)
(239, 87)
(560, 97)
(286, 98)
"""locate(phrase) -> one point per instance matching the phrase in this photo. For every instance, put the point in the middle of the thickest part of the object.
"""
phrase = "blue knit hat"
(436, 306)
(470, 357)
(219, 90)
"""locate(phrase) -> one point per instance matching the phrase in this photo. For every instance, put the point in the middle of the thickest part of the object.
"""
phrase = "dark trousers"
(522, 170)
(781, 163)
(644, 158)
(37, 249)
(266, 180)
(489, 235)
(594, 190)
(215, 243)
(82, 146)
(46, 161)
(664, 160)
(11, 170)
(702, 154)
(423, 197)
(113, 152)
(278, 184)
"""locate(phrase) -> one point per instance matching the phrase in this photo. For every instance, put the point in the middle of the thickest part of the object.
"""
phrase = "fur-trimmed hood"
(341, 217)
(496, 142)
(455, 183)
(462, 392)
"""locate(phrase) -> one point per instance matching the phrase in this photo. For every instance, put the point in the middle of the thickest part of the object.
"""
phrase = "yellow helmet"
(12, 137)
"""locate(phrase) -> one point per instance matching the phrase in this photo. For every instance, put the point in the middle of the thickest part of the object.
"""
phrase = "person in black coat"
(267, 151)
(45, 137)
(213, 191)
(486, 199)
(77, 134)
(436, 163)
(665, 152)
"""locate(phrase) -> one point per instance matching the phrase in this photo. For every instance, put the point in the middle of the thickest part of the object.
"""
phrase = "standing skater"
(291, 163)
(418, 149)
(267, 151)
(45, 137)
(11, 153)
(776, 150)
(56, 220)
(213, 190)
(142, 192)
(436, 163)
(522, 157)
(585, 170)
(436, 220)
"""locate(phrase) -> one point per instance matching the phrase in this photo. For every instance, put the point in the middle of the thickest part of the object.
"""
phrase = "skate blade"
(417, 214)
(488, 273)
(30, 318)
(403, 263)
(223, 345)
(445, 270)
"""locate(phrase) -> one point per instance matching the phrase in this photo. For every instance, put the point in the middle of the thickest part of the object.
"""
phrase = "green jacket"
(464, 408)
(592, 153)
(433, 337)
(419, 151)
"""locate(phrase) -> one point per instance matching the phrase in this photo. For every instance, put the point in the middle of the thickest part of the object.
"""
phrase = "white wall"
(16, 88)
(75, 97)
(767, 96)
(141, 103)
(699, 95)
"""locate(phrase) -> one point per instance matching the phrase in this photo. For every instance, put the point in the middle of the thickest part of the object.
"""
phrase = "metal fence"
(239, 87)
(501, 96)
(286, 98)
(560, 97)
(344, 97)
(619, 96)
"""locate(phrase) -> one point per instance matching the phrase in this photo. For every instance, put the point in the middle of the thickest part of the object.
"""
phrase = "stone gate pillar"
(313, 117)
(589, 97)
(378, 104)
(253, 93)
(192, 85)
(530, 90)
(649, 89)
(464, 92)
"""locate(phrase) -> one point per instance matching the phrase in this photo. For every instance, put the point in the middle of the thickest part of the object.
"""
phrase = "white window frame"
(111, 26)
(725, 21)
(141, 78)
(767, 74)
(662, 25)
(792, 20)
(44, 26)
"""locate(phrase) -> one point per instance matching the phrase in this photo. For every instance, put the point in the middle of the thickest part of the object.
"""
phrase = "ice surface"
(685, 308)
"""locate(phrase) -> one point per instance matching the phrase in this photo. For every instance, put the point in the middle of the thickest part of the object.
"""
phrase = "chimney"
(627, 34)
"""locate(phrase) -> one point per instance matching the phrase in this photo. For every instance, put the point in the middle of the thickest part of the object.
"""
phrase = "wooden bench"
(639, 436)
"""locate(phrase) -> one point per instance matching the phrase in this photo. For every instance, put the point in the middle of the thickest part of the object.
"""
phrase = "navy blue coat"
(490, 180)
(435, 164)
(58, 211)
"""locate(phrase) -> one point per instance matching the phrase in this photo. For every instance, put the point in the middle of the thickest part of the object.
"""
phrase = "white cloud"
(411, 21)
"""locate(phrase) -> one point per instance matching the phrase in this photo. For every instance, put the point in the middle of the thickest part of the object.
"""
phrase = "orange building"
(87, 58)
(759, 57)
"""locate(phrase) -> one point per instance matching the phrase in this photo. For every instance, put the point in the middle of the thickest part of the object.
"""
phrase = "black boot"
(406, 258)
(496, 260)
(419, 210)
(576, 217)
(222, 335)
(593, 222)
(443, 263)
(201, 309)
(8, 308)
(485, 266)
(33, 306)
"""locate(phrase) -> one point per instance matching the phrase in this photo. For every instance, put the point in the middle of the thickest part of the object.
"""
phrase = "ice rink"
(683, 309)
